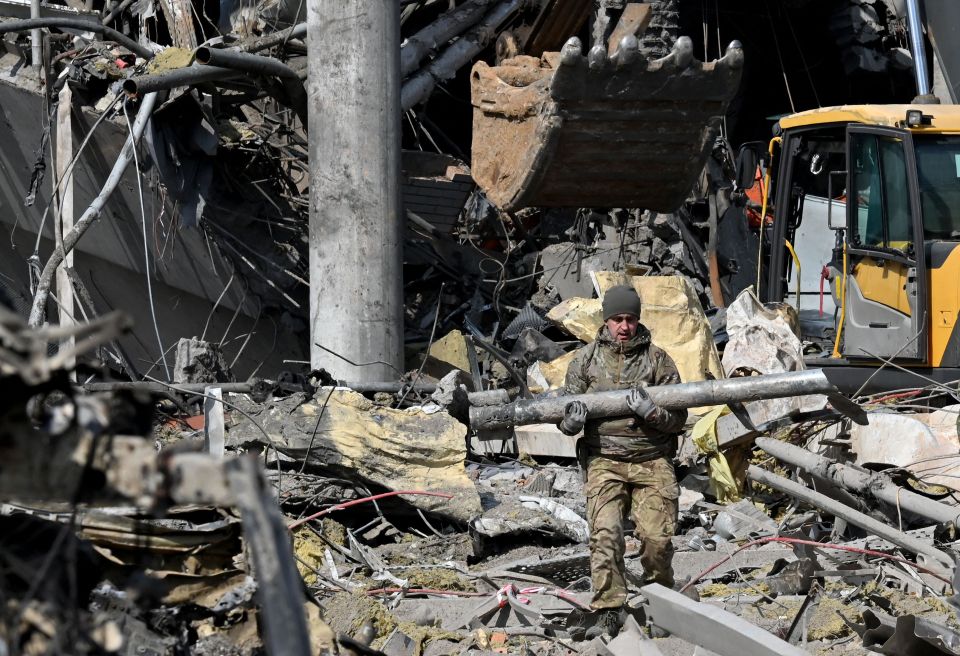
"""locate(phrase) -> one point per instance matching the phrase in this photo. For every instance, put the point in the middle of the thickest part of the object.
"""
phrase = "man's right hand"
(574, 417)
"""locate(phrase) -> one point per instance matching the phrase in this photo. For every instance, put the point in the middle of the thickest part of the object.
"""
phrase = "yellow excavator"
(865, 238)
(611, 127)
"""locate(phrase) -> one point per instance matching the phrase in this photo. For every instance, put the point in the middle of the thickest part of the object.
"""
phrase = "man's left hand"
(642, 405)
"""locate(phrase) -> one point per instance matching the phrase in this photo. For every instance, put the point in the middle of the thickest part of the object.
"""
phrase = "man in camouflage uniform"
(628, 464)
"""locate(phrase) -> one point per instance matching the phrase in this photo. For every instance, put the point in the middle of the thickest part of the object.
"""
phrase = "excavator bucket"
(564, 130)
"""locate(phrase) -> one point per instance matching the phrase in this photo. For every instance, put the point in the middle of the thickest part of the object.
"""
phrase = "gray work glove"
(574, 417)
(642, 405)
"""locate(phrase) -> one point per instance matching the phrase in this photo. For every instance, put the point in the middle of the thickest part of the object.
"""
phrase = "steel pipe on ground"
(938, 560)
(684, 395)
(877, 485)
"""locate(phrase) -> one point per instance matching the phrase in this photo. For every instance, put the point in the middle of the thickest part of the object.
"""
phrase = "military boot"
(608, 622)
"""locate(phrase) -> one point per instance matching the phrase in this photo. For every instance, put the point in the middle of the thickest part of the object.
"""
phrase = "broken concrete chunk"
(200, 362)
(568, 482)
(658, 249)
(545, 440)
(514, 517)
(451, 394)
(578, 316)
(343, 431)
(451, 349)
(741, 519)
(664, 226)
(573, 525)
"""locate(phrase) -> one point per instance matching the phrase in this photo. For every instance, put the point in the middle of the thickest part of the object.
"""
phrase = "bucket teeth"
(597, 58)
(733, 55)
(628, 50)
(571, 52)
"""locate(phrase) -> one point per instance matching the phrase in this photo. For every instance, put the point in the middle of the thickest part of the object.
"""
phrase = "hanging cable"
(146, 248)
(803, 60)
(67, 174)
(703, 12)
(716, 11)
(783, 69)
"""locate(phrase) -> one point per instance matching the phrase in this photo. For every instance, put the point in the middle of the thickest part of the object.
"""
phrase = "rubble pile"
(381, 526)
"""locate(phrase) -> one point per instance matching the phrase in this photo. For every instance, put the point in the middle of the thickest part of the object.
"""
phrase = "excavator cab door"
(885, 283)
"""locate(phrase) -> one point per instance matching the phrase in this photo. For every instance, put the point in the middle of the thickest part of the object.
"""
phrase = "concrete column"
(356, 258)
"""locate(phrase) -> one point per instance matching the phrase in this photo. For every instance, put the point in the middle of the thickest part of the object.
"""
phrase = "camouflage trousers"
(649, 491)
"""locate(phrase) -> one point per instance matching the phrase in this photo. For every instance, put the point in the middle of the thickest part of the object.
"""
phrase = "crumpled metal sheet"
(528, 317)
(563, 570)
(907, 634)
(742, 519)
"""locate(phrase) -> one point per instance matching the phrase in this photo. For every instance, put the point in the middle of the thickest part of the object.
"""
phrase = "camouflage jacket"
(606, 365)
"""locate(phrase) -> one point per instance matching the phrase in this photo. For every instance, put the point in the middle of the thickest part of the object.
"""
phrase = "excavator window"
(880, 191)
(938, 173)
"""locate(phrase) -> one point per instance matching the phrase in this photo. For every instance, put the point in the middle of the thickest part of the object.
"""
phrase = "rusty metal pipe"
(178, 77)
(684, 395)
(259, 65)
(244, 61)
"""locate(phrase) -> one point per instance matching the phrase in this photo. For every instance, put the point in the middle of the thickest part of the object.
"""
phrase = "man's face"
(623, 326)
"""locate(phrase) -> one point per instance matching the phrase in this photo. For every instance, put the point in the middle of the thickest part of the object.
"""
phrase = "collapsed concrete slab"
(343, 431)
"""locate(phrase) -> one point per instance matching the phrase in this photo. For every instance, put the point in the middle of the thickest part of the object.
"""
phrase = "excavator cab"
(883, 308)
(867, 205)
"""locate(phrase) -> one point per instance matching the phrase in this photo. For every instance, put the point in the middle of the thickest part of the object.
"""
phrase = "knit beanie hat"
(620, 300)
